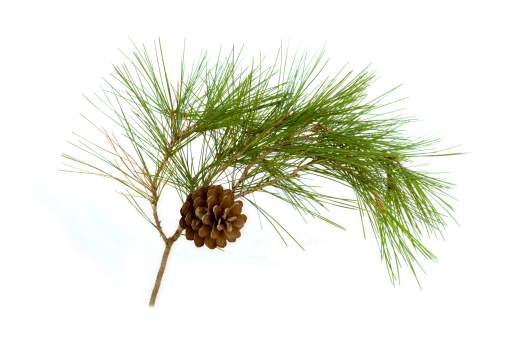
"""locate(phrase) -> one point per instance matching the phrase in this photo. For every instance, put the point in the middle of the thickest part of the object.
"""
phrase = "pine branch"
(260, 127)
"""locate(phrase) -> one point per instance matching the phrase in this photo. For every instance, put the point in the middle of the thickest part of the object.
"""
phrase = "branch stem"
(169, 244)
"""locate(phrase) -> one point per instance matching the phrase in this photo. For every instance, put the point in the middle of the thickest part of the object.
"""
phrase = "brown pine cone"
(212, 217)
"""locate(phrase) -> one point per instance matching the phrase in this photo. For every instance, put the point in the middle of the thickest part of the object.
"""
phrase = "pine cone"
(212, 217)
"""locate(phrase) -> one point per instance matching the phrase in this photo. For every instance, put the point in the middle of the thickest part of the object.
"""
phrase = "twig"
(155, 216)
(277, 123)
(248, 167)
(281, 178)
(175, 140)
(318, 127)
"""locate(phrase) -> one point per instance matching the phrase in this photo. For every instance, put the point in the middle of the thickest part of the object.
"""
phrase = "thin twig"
(155, 216)
(318, 127)
(281, 178)
(248, 167)
(175, 140)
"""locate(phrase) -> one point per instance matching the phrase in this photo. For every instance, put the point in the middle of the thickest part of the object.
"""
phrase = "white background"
(77, 261)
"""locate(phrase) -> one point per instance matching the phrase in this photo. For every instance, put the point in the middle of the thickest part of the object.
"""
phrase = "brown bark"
(161, 270)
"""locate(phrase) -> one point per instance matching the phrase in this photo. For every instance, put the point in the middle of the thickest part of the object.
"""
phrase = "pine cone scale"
(204, 231)
(221, 239)
(212, 201)
(208, 219)
(199, 241)
(196, 224)
(230, 236)
(200, 212)
(188, 218)
(189, 234)
(183, 225)
(210, 242)
(199, 202)
(214, 232)
(217, 210)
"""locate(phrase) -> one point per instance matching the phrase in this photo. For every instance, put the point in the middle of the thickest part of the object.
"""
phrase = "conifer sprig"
(262, 129)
